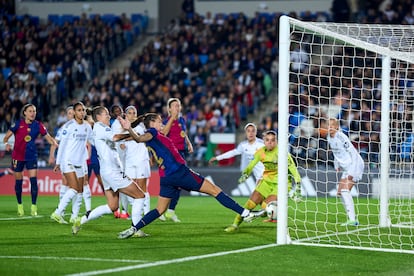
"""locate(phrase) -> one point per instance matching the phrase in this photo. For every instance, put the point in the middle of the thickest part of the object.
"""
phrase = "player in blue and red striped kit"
(24, 154)
(174, 174)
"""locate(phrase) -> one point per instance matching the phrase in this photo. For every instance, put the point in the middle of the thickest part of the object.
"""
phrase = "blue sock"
(34, 189)
(174, 201)
(18, 187)
(148, 218)
(228, 202)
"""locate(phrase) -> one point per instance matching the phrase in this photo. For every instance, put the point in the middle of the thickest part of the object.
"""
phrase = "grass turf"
(197, 246)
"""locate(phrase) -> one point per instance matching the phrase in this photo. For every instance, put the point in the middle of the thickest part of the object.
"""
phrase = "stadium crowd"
(221, 66)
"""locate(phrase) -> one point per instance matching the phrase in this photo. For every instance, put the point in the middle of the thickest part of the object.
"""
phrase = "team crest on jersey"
(182, 133)
(27, 138)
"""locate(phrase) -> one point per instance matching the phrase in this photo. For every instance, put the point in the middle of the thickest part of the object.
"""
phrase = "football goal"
(362, 75)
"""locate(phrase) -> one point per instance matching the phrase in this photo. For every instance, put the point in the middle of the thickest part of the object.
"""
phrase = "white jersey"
(72, 145)
(136, 153)
(247, 151)
(112, 173)
(345, 154)
(105, 147)
(118, 129)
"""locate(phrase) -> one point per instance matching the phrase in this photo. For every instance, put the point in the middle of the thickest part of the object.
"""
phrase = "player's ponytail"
(138, 120)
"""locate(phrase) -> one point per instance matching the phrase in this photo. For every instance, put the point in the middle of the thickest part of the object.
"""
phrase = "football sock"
(18, 187)
(96, 213)
(87, 197)
(174, 201)
(66, 199)
(76, 207)
(137, 206)
(228, 202)
(147, 204)
(63, 189)
(123, 198)
(34, 189)
(348, 203)
(248, 205)
(147, 219)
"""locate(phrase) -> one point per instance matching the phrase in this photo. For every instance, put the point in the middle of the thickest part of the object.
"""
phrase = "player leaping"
(174, 174)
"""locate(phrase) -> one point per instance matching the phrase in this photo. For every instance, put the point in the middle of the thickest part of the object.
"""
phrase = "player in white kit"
(349, 161)
(71, 161)
(246, 149)
(137, 161)
(114, 178)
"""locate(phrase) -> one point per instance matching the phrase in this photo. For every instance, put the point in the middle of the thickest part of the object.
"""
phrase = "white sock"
(62, 191)
(245, 213)
(137, 206)
(96, 213)
(348, 203)
(87, 197)
(66, 199)
(147, 204)
(77, 205)
(123, 198)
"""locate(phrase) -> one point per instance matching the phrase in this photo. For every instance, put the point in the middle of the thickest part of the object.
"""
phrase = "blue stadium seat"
(54, 18)
(6, 72)
(203, 59)
(136, 18)
(66, 18)
(137, 30)
(109, 18)
(35, 20)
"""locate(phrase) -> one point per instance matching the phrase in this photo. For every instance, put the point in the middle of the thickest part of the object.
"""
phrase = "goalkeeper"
(266, 190)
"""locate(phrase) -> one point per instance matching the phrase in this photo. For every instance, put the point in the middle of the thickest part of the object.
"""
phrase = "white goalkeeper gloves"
(243, 178)
(296, 196)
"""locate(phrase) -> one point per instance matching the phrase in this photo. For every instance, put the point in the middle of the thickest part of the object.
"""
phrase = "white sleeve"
(230, 153)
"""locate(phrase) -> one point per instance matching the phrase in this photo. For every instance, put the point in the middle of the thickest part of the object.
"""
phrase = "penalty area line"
(20, 218)
(72, 259)
(179, 260)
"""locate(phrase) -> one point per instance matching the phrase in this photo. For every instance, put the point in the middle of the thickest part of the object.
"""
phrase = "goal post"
(362, 75)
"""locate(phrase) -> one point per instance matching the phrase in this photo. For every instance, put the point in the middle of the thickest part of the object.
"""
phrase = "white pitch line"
(180, 260)
(20, 218)
(73, 259)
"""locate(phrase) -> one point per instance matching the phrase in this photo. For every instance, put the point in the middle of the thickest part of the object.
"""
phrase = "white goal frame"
(282, 232)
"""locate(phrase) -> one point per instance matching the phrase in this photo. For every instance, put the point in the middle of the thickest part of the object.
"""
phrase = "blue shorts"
(95, 167)
(184, 178)
(18, 166)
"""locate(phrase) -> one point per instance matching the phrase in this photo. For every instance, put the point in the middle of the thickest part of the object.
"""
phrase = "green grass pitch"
(196, 246)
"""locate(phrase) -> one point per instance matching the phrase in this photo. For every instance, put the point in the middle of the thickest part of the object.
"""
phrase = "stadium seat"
(54, 18)
(6, 72)
(109, 18)
(203, 59)
(136, 18)
(66, 18)
(137, 30)
(35, 20)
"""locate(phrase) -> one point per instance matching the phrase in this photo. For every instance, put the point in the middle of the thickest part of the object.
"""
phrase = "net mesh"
(335, 72)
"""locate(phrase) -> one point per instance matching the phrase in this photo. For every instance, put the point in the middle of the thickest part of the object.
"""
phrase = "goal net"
(363, 75)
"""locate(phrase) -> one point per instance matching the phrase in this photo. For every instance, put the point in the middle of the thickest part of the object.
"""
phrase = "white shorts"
(356, 170)
(138, 172)
(68, 168)
(115, 180)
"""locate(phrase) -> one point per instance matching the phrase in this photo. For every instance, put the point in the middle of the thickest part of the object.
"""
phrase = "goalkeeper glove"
(296, 196)
(243, 178)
